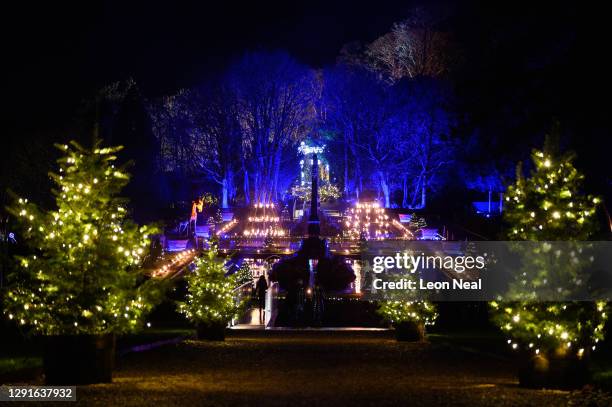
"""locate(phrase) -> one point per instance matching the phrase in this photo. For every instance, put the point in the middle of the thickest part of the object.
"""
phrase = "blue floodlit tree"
(274, 97)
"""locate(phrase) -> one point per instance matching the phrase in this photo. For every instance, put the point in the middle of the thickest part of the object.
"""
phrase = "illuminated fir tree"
(549, 206)
(83, 273)
(211, 293)
(417, 223)
(400, 311)
(399, 307)
(244, 274)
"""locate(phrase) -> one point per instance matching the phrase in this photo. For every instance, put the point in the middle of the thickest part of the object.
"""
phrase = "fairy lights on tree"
(399, 311)
(417, 223)
(211, 297)
(404, 309)
(83, 274)
(549, 206)
(244, 274)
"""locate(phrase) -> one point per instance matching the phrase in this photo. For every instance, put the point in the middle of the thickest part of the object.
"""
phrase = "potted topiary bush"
(409, 318)
(212, 301)
(554, 338)
(81, 282)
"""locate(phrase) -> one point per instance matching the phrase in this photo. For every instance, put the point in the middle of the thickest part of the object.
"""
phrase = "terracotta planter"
(78, 359)
(554, 372)
(211, 331)
(409, 331)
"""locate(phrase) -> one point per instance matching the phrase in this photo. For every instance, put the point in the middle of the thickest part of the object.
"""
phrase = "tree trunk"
(346, 174)
(277, 162)
(405, 192)
(231, 187)
(423, 194)
(246, 188)
(384, 185)
(421, 185)
(357, 179)
(257, 186)
(224, 193)
(415, 193)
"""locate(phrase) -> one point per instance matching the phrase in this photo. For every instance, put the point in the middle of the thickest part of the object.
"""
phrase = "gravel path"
(309, 369)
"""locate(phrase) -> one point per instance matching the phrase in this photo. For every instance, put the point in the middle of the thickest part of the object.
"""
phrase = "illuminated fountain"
(313, 266)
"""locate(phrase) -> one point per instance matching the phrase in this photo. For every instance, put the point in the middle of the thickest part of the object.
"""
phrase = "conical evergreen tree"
(83, 275)
(550, 206)
(211, 296)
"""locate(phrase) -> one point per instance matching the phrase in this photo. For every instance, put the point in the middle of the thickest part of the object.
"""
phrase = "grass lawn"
(603, 377)
(26, 355)
(10, 364)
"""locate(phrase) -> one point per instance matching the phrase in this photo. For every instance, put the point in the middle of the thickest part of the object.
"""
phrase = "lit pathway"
(250, 320)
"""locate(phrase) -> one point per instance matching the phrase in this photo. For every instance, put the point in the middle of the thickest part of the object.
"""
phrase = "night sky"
(524, 64)
(64, 52)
